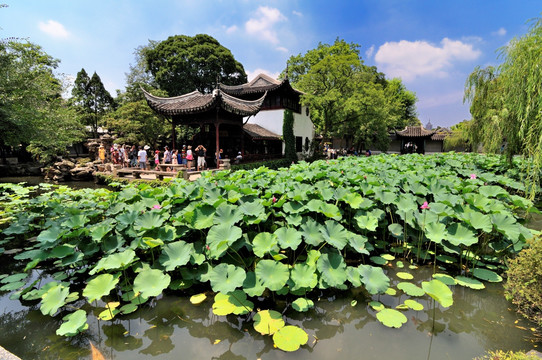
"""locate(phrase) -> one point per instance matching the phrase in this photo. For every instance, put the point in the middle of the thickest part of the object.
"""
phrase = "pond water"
(35, 180)
(173, 328)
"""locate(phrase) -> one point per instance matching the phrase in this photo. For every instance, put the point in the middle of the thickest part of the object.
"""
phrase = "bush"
(510, 355)
(525, 281)
(270, 164)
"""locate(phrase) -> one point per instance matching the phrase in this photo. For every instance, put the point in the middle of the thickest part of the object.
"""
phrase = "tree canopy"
(349, 99)
(182, 64)
(32, 110)
(506, 103)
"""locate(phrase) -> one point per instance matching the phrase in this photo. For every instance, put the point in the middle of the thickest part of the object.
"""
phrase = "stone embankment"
(65, 170)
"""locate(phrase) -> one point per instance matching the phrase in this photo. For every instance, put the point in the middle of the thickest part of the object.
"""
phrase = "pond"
(173, 328)
(35, 180)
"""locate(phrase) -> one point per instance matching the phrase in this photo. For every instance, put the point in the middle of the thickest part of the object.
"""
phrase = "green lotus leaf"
(302, 304)
(379, 260)
(487, 275)
(252, 286)
(100, 286)
(458, 234)
(293, 207)
(335, 234)
(75, 221)
(391, 292)
(353, 199)
(367, 222)
(149, 220)
(388, 257)
(114, 261)
(402, 307)
(385, 197)
(391, 318)
(234, 302)
(438, 291)
(73, 324)
(492, 191)
(405, 276)
(226, 277)
(252, 208)
(374, 279)
(264, 243)
(13, 286)
(293, 219)
(273, 275)
(108, 314)
(54, 299)
(506, 225)
(227, 214)
(414, 305)
(288, 238)
(332, 268)
(445, 278)
(268, 322)
(441, 209)
(127, 218)
(152, 242)
(358, 243)
(14, 278)
(353, 275)
(469, 282)
(175, 254)
(50, 235)
(151, 282)
(410, 289)
(303, 276)
(290, 338)
(128, 308)
(331, 211)
(198, 299)
(314, 205)
(312, 232)
(376, 305)
(203, 217)
(435, 231)
(400, 264)
(478, 221)
(396, 230)
(221, 237)
(61, 251)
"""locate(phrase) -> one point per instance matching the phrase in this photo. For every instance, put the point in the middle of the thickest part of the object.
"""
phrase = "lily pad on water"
(438, 291)
(14, 278)
(410, 289)
(232, 303)
(445, 278)
(414, 305)
(486, 275)
(374, 279)
(74, 323)
(302, 304)
(391, 318)
(332, 268)
(273, 275)
(100, 286)
(198, 299)
(404, 275)
(290, 338)
(114, 261)
(54, 299)
(268, 322)
(376, 305)
(226, 277)
(469, 282)
(151, 282)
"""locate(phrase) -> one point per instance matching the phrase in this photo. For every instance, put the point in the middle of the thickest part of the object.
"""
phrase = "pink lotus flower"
(424, 206)
(365, 177)
(207, 247)
(472, 176)
(274, 199)
(157, 207)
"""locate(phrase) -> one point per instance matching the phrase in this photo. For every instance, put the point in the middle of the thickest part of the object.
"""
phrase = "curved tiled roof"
(259, 133)
(259, 84)
(415, 131)
(196, 102)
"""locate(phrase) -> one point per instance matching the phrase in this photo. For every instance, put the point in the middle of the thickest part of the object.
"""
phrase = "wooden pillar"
(217, 135)
(173, 134)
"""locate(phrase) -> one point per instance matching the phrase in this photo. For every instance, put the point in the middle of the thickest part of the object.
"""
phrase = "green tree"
(288, 135)
(404, 103)
(91, 99)
(506, 105)
(182, 64)
(459, 138)
(32, 111)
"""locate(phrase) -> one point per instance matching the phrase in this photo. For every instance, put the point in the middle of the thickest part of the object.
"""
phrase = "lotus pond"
(314, 259)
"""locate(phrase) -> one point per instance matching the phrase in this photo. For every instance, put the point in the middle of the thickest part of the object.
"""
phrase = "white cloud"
(283, 49)
(231, 29)
(54, 29)
(252, 74)
(297, 13)
(370, 51)
(500, 32)
(411, 59)
(262, 24)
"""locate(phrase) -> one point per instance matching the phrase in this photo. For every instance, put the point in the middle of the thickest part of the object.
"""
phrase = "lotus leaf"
(400, 264)
(54, 299)
(226, 277)
(14, 278)
(396, 230)
(404, 276)
(385, 197)
(73, 324)
(13, 286)
(272, 274)
(290, 338)
(391, 292)
(478, 221)
(331, 211)
(506, 225)
(203, 217)
(435, 231)
(469, 282)
(353, 275)
(492, 191)
(293, 207)
(391, 318)
(374, 279)
(303, 276)
(227, 215)
(152, 242)
(388, 257)
(446, 279)
(253, 208)
(312, 232)
(175, 254)
(50, 235)
(379, 260)
(264, 243)
(128, 308)
(75, 221)
(459, 234)
(358, 243)
(288, 238)
(198, 299)
(366, 222)
(114, 261)
(108, 314)
(353, 199)
(151, 282)
(335, 234)
(438, 291)
(414, 305)
(332, 268)
(376, 305)
(100, 286)
(268, 322)
(233, 303)
(487, 275)
(410, 289)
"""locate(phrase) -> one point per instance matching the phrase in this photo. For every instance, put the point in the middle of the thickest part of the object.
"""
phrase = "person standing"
(142, 158)
(200, 152)
(101, 153)
(156, 158)
(189, 157)
(183, 155)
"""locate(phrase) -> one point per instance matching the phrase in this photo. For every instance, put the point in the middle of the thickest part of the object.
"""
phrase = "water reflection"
(173, 328)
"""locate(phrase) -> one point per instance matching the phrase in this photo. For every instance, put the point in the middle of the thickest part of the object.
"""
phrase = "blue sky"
(432, 45)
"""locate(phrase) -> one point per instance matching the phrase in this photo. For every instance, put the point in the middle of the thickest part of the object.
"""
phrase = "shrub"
(510, 355)
(525, 281)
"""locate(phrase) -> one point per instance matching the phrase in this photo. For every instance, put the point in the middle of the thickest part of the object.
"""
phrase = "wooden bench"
(135, 172)
(160, 175)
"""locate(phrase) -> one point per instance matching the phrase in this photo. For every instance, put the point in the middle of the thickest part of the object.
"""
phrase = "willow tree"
(506, 103)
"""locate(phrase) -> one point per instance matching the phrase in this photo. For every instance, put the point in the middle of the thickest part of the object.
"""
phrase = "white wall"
(272, 121)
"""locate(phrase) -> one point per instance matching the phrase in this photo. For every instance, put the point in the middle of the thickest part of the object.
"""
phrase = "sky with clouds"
(432, 45)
